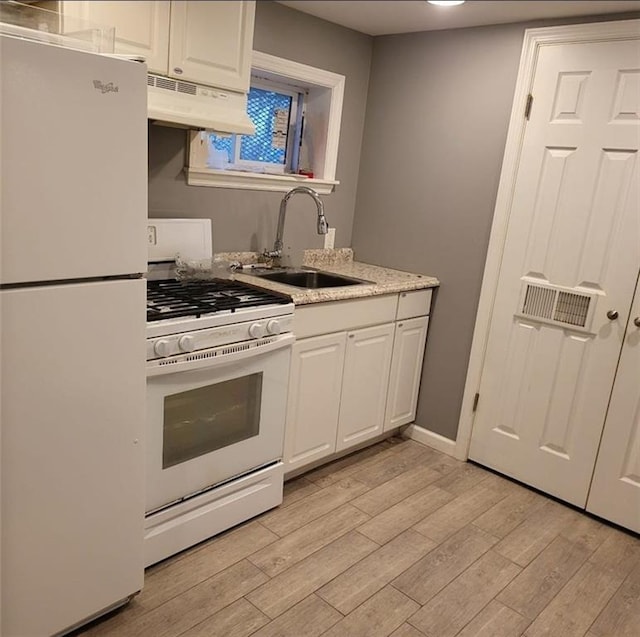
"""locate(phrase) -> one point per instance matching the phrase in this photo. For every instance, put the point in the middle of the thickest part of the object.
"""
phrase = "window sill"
(255, 181)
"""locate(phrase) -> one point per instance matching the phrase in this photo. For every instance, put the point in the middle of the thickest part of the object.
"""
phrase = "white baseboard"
(432, 439)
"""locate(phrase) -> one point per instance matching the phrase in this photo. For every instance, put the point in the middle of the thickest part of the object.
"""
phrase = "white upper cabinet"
(204, 42)
(142, 28)
(211, 43)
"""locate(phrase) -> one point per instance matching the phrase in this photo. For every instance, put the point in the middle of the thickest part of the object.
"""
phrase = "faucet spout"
(322, 226)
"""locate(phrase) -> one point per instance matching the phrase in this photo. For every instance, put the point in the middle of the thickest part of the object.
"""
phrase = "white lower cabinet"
(314, 399)
(406, 369)
(361, 379)
(364, 385)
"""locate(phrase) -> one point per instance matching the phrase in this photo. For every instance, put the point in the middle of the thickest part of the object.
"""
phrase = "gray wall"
(439, 105)
(246, 220)
(437, 118)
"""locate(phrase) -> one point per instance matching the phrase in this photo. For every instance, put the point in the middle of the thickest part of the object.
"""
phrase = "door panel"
(615, 490)
(78, 201)
(211, 43)
(364, 386)
(184, 404)
(73, 408)
(142, 28)
(406, 369)
(314, 399)
(572, 253)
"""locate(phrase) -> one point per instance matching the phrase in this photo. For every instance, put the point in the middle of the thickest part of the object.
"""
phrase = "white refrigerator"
(73, 208)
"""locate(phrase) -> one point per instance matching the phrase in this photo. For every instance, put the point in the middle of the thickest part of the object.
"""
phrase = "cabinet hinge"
(476, 398)
(527, 108)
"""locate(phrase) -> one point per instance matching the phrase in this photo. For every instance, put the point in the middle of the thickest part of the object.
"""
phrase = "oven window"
(202, 420)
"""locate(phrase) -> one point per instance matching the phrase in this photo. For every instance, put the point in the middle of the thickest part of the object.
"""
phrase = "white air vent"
(572, 308)
(539, 301)
(168, 84)
(186, 87)
(164, 83)
(553, 304)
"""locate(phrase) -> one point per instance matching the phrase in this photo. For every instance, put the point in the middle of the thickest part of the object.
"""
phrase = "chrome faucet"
(323, 226)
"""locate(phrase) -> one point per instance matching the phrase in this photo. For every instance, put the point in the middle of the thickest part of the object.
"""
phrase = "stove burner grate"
(175, 299)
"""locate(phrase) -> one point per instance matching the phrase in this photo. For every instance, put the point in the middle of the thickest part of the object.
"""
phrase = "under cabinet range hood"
(189, 105)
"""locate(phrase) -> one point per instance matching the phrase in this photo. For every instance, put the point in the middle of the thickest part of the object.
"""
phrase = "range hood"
(190, 105)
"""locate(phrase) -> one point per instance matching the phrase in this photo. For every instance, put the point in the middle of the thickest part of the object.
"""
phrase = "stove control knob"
(162, 348)
(273, 327)
(187, 343)
(256, 330)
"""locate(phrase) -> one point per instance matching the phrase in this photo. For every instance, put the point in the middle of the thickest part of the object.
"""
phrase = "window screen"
(270, 111)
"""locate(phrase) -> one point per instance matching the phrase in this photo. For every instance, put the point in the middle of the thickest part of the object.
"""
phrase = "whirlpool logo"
(105, 88)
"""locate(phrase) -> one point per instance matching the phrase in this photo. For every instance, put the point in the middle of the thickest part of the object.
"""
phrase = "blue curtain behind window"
(262, 106)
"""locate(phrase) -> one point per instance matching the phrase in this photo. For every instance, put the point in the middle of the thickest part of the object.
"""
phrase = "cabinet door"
(615, 488)
(406, 370)
(314, 399)
(142, 28)
(211, 43)
(364, 384)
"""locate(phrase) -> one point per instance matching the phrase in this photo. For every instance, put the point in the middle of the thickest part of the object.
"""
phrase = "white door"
(615, 490)
(141, 28)
(314, 399)
(211, 43)
(73, 408)
(406, 370)
(571, 256)
(74, 180)
(209, 420)
(364, 385)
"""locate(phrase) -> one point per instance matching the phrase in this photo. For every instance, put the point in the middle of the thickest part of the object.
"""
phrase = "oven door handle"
(216, 356)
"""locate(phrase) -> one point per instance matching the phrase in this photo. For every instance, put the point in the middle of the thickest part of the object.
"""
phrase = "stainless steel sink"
(310, 279)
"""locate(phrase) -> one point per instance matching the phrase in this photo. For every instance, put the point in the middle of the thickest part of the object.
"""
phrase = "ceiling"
(380, 17)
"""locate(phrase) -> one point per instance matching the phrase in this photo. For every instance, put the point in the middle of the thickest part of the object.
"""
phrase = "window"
(297, 110)
(277, 112)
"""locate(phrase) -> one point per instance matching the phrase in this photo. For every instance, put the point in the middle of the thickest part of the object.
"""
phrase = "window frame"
(325, 93)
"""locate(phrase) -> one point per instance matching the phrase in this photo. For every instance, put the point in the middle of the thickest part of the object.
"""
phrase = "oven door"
(214, 415)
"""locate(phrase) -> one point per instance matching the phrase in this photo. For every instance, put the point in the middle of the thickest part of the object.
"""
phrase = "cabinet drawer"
(338, 316)
(415, 303)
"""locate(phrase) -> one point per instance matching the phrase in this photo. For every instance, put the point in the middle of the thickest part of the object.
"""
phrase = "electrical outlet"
(330, 239)
(152, 238)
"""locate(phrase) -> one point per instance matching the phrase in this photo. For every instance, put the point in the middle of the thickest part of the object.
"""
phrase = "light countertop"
(340, 261)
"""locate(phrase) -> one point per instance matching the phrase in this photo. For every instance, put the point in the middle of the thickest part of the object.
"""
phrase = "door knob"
(636, 321)
(612, 315)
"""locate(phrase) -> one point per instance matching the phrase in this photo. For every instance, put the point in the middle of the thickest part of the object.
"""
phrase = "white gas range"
(218, 354)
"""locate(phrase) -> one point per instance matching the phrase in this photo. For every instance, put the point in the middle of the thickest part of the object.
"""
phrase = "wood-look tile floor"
(397, 540)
